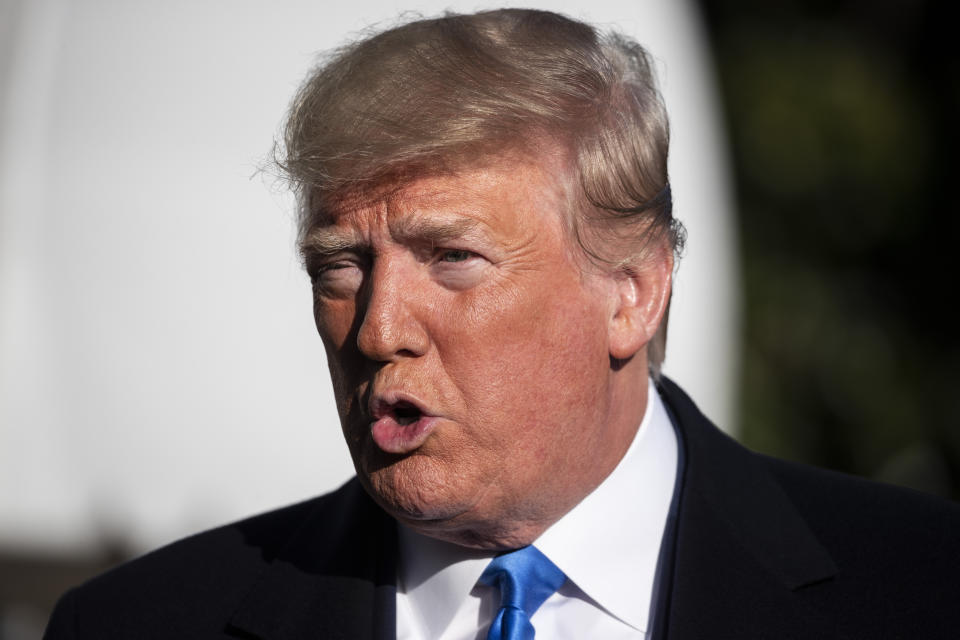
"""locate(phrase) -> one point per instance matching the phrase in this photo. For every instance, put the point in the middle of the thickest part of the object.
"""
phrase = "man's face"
(468, 350)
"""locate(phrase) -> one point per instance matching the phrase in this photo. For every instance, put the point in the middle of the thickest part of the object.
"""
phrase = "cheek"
(520, 352)
(334, 321)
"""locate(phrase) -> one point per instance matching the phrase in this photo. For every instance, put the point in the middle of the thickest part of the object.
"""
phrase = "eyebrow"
(425, 230)
(326, 241)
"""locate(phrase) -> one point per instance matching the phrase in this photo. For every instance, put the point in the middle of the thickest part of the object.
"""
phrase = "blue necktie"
(526, 578)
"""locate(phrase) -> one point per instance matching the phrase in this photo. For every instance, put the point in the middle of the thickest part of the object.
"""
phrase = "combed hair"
(430, 95)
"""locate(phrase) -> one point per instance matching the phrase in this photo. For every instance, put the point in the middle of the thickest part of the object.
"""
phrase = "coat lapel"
(335, 579)
(745, 564)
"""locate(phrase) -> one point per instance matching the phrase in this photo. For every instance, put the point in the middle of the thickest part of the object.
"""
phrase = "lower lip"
(393, 437)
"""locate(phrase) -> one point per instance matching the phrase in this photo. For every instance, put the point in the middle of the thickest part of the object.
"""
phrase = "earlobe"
(643, 293)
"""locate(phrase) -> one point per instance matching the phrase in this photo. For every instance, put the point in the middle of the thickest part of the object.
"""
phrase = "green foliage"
(843, 130)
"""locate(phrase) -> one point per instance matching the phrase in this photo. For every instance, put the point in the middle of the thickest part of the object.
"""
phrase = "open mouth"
(399, 425)
(405, 413)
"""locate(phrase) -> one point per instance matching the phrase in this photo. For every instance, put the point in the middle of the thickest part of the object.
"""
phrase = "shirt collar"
(437, 577)
(608, 545)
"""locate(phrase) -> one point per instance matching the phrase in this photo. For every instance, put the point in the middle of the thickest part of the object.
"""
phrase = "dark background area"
(842, 122)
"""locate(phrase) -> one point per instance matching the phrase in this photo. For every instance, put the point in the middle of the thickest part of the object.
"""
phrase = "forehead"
(508, 197)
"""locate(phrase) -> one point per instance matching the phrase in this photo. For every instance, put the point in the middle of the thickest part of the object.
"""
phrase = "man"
(486, 222)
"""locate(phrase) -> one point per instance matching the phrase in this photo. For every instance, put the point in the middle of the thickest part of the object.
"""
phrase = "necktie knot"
(525, 578)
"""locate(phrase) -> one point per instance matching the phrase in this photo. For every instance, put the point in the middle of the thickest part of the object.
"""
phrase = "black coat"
(761, 549)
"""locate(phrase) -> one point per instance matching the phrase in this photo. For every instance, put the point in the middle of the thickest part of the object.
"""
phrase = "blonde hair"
(424, 96)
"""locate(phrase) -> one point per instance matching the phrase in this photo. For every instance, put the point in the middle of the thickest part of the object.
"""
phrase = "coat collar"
(336, 578)
(742, 555)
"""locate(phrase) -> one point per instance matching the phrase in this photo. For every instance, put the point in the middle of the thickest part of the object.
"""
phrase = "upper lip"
(385, 403)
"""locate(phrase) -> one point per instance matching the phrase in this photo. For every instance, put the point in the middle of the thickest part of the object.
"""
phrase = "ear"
(643, 293)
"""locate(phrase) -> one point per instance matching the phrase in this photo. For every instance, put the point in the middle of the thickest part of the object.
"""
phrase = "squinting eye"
(455, 255)
(337, 279)
(320, 273)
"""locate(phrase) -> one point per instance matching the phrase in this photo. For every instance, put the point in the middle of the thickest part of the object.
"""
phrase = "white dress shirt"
(608, 547)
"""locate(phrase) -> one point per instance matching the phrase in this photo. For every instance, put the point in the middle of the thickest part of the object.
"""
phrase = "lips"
(400, 424)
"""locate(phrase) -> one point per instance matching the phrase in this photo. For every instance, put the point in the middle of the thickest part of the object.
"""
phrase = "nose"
(391, 329)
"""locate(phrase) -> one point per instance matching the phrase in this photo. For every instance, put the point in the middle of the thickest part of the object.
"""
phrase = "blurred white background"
(159, 371)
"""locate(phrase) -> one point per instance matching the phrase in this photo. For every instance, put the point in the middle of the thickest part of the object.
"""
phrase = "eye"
(458, 269)
(319, 271)
(335, 266)
(456, 255)
(337, 278)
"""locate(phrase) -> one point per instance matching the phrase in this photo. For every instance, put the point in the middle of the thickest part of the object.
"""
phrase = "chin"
(415, 491)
